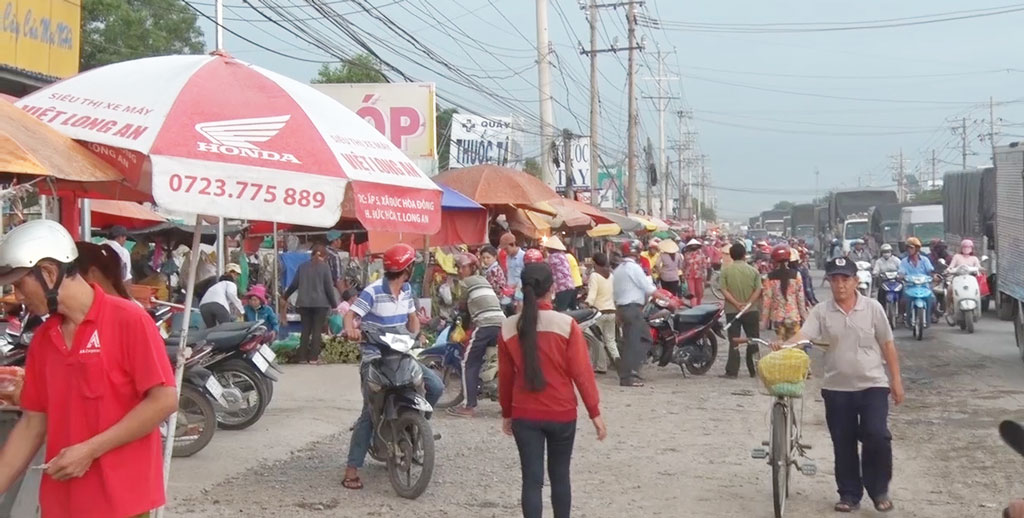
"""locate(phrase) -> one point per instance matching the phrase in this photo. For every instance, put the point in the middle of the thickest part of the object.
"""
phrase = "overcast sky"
(769, 108)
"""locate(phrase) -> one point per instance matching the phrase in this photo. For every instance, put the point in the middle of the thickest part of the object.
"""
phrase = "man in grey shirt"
(631, 288)
(856, 388)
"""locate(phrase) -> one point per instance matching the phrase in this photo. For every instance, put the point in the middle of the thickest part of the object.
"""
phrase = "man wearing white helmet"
(97, 385)
(887, 262)
(858, 253)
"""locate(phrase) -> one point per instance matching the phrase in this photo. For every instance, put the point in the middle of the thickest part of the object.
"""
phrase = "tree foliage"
(532, 166)
(444, 134)
(783, 205)
(362, 68)
(706, 212)
(929, 196)
(120, 30)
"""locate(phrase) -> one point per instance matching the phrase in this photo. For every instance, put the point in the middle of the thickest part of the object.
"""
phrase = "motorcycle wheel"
(451, 378)
(194, 410)
(969, 324)
(920, 315)
(709, 346)
(413, 446)
(962, 322)
(892, 312)
(716, 285)
(240, 375)
(950, 319)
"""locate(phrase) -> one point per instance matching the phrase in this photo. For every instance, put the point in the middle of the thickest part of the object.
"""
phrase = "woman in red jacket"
(541, 355)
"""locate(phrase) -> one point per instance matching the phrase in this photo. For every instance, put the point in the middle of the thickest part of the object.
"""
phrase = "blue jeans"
(362, 432)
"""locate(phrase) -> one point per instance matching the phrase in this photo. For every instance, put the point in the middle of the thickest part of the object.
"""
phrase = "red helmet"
(398, 257)
(631, 247)
(533, 256)
(781, 253)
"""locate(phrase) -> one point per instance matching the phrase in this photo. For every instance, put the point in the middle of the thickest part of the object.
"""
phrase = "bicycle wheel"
(780, 457)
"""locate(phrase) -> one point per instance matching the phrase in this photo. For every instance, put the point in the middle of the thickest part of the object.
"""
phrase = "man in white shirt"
(632, 287)
(117, 236)
(221, 300)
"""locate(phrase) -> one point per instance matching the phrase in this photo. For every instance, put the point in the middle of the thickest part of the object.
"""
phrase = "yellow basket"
(783, 372)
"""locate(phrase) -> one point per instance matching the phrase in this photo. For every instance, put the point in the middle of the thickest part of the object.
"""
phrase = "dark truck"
(774, 221)
(890, 214)
(969, 212)
(852, 214)
(754, 222)
(823, 234)
(801, 224)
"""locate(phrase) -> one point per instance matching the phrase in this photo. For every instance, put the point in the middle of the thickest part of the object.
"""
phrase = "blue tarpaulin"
(452, 199)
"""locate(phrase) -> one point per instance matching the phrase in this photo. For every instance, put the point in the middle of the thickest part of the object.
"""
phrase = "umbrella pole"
(277, 289)
(222, 248)
(179, 371)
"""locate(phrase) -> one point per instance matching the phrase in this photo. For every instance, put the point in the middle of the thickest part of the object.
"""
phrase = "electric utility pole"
(547, 117)
(631, 47)
(963, 142)
(934, 169)
(661, 100)
(567, 138)
(992, 128)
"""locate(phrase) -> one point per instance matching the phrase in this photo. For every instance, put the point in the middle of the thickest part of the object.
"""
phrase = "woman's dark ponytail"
(537, 281)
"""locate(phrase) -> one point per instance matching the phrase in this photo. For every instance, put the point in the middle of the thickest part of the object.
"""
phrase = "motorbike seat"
(581, 315)
(699, 315)
(230, 335)
(194, 336)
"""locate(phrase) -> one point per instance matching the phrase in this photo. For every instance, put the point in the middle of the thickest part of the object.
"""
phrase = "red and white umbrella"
(214, 135)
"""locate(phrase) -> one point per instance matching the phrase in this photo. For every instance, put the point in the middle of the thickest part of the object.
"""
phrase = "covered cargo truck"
(1009, 236)
(774, 221)
(801, 224)
(844, 204)
(890, 214)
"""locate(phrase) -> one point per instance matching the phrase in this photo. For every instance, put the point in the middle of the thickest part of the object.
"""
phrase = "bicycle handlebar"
(765, 343)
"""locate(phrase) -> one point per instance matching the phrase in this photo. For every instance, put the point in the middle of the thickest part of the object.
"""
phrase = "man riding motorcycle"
(887, 262)
(859, 253)
(916, 264)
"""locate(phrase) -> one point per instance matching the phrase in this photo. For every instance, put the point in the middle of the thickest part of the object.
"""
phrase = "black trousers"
(531, 438)
(482, 338)
(672, 287)
(751, 326)
(310, 342)
(213, 313)
(564, 300)
(860, 416)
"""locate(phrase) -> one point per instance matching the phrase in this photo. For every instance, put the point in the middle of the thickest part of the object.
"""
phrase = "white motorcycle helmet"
(886, 248)
(22, 249)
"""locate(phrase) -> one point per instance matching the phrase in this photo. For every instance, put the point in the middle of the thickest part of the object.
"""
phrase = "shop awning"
(463, 221)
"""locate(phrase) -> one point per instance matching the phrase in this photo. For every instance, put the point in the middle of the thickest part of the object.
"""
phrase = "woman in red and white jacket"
(541, 355)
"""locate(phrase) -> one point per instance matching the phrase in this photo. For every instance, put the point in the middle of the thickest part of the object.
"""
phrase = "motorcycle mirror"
(942, 261)
(984, 258)
(1013, 434)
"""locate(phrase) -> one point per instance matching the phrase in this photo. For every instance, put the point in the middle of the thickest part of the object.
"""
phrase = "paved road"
(678, 447)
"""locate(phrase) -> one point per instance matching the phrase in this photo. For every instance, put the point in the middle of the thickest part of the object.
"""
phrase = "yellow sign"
(41, 35)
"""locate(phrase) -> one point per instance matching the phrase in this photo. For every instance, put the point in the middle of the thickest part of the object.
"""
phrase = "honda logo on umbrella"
(238, 137)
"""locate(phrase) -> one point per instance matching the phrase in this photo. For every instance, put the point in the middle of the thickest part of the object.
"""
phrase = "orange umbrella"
(128, 214)
(30, 147)
(595, 213)
(495, 185)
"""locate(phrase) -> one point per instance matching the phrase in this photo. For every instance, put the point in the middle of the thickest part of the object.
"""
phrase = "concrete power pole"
(700, 196)
(594, 105)
(901, 182)
(547, 117)
(631, 92)
(567, 138)
(934, 169)
(963, 142)
(992, 128)
(662, 104)
(680, 207)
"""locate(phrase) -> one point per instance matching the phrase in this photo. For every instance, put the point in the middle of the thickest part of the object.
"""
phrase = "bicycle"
(784, 448)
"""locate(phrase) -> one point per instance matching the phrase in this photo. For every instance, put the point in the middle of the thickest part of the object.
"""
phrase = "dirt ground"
(677, 447)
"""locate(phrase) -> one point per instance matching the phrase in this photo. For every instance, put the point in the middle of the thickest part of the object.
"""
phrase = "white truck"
(1009, 235)
(923, 222)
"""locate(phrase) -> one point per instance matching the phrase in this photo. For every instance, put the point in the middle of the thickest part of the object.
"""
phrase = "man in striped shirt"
(484, 308)
(384, 306)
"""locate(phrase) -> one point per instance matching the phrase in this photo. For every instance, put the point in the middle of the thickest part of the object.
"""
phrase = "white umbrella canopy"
(227, 138)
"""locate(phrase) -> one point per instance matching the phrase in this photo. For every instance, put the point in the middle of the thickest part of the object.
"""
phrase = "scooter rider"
(479, 299)
(859, 253)
(916, 264)
(887, 262)
(385, 305)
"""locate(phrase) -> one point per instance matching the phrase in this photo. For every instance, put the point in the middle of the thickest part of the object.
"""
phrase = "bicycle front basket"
(783, 372)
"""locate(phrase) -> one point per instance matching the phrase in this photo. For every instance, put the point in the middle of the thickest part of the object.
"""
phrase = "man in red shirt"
(97, 386)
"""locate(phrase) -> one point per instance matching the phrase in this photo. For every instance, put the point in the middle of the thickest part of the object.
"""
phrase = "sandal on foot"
(352, 483)
(884, 505)
(846, 507)
(635, 383)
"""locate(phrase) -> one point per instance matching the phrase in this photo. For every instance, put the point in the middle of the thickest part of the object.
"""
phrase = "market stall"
(463, 221)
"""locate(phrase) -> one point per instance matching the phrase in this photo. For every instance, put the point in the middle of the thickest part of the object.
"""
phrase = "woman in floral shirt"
(696, 267)
(565, 288)
(783, 300)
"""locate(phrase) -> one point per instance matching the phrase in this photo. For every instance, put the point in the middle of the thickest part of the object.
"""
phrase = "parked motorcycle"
(240, 359)
(402, 435)
(197, 418)
(685, 337)
(964, 308)
(865, 280)
(892, 287)
(919, 292)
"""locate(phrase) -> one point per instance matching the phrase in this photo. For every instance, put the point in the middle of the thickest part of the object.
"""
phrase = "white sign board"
(580, 164)
(479, 140)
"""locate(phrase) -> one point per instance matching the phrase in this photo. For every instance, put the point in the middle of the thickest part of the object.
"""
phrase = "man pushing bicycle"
(856, 388)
